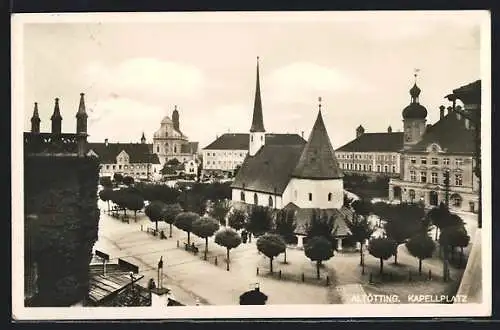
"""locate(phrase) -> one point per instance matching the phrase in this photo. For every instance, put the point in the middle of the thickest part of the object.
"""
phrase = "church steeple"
(143, 138)
(175, 119)
(56, 118)
(35, 120)
(318, 160)
(81, 116)
(257, 120)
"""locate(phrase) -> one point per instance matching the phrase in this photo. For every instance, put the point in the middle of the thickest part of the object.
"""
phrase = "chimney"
(160, 297)
(106, 142)
(441, 111)
(450, 109)
(389, 129)
(302, 134)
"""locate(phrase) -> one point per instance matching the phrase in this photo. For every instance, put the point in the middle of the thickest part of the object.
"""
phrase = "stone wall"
(61, 226)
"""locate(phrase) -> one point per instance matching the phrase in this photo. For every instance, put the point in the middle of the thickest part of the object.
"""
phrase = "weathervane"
(415, 74)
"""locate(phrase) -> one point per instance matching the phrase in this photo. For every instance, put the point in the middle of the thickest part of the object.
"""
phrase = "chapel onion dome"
(415, 110)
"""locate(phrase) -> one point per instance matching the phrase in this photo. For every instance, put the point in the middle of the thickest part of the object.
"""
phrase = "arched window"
(175, 149)
(329, 197)
(242, 196)
(255, 199)
(412, 195)
(310, 196)
(270, 201)
(385, 168)
(158, 149)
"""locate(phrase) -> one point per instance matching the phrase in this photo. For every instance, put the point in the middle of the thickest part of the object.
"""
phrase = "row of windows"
(234, 153)
(270, 200)
(166, 148)
(225, 163)
(456, 199)
(435, 161)
(368, 156)
(127, 167)
(434, 178)
(364, 167)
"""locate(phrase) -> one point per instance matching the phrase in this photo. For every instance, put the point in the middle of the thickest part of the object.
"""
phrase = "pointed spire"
(81, 116)
(257, 119)
(35, 120)
(143, 138)
(318, 160)
(81, 107)
(56, 118)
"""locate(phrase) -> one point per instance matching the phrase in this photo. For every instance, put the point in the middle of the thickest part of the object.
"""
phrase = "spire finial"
(319, 101)
(175, 107)
(415, 74)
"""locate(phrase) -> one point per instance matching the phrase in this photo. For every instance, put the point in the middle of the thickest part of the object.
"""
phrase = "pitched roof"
(190, 147)
(138, 152)
(257, 120)
(240, 141)
(375, 142)
(450, 134)
(269, 169)
(471, 87)
(303, 218)
(318, 160)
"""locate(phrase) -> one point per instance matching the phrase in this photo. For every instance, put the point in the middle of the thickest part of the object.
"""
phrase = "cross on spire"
(415, 74)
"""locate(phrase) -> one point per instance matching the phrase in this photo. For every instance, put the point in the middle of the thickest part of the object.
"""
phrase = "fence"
(324, 280)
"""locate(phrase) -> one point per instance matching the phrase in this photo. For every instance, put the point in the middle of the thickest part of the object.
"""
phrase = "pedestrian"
(151, 284)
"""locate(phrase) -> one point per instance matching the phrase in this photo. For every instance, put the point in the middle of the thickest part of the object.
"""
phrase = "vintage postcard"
(251, 165)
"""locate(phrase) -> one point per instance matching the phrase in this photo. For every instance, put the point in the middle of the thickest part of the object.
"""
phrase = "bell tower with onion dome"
(414, 117)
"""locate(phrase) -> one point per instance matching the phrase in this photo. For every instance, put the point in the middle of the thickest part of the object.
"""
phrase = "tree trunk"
(318, 263)
(206, 247)
(419, 266)
(135, 215)
(381, 266)
(156, 225)
(285, 257)
(271, 264)
(361, 255)
(108, 206)
(437, 229)
(170, 230)
(396, 256)
(227, 259)
(189, 237)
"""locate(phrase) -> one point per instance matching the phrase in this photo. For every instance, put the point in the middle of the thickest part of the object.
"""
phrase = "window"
(393, 169)
(119, 167)
(378, 168)
(423, 161)
(131, 167)
(413, 176)
(329, 197)
(295, 194)
(412, 195)
(251, 138)
(423, 177)
(446, 161)
(459, 162)
(242, 196)
(364, 167)
(175, 149)
(434, 177)
(125, 166)
(385, 168)
(310, 197)
(262, 138)
(107, 167)
(458, 179)
(369, 167)
(270, 201)
(434, 161)
(114, 166)
(413, 160)
(255, 199)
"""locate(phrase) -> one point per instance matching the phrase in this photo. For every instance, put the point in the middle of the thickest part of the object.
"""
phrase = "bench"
(191, 248)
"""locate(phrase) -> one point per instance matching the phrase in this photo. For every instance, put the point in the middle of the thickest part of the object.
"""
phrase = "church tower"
(35, 120)
(414, 118)
(175, 119)
(143, 138)
(317, 180)
(56, 118)
(257, 131)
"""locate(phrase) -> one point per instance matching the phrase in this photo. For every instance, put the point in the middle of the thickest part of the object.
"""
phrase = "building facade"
(372, 154)
(170, 142)
(128, 159)
(440, 165)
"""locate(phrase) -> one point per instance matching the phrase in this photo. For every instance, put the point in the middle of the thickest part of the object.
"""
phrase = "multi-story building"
(444, 151)
(129, 159)
(229, 150)
(372, 154)
(170, 142)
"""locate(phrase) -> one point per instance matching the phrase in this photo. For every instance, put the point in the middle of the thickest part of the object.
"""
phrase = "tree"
(400, 230)
(382, 249)
(271, 245)
(170, 211)
(154, 211)
(193, 200)
(120, 198)
(361, 230)
(260, 220)
(205, 227)
(105, 181)
(318, 249)
(320, 225)
(229, 239)
(106, 195)
(454, 236)
(237, 219)
(134, 202)
(362, 207)
(219, 210)
(347, 200)
(184, 221)
(128, 180)
(285, 226)
(421, 246)
(174, 162)
(117, 178)
(441, 217)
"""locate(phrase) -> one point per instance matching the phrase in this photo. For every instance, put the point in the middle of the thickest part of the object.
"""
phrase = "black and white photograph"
(291, 164)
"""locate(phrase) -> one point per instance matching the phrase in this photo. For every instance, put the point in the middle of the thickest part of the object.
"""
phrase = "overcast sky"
(133, 73)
